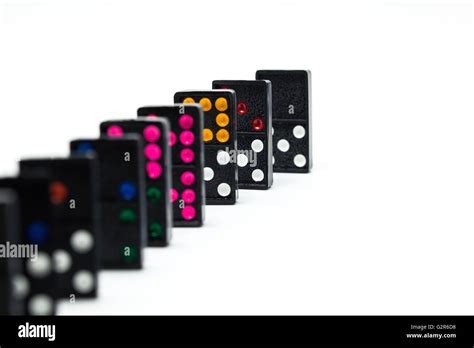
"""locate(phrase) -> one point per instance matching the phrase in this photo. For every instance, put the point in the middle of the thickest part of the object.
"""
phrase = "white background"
(383, 225)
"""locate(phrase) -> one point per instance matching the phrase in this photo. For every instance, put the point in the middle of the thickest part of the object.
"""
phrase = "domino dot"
(40, 304)
(174, 195)
(127, 216)
(83, 282)
(222, 120)
(208, 174)
(242, 108)
(273, 159)
(299, 132)
(188, 212)
(222, 135)
(130, 253)
(37, 232)
(153, 194)
(242, 160)
(206, 104)
(188, 196)
(153, 170)
(223, 157)
(187, 178)
(300, 161)
(152, 152)
(257, 175)
(186, 121)
(207, 134)
(151, 133)
(152, 116)
(187, 155)
(62, 261)
(273, 131)
(172, 138)
(257, 145)
(156, 230)
(283, 145)
(223, 189)
(58, 192)
(127, 190)
(82, 241)
(186, 138)
(221, 104)
(21, 286)
(39, 267)
(188, 100)
(115, 131)
(85, 147)
(258, 124)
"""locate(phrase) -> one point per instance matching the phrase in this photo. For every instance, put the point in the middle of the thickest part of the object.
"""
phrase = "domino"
(10, 267)
(254, 137)
(73, 187)
(36, 287)
(220, 143)
(122, 198)
(291, 91)
(157, 169)
(187, 147)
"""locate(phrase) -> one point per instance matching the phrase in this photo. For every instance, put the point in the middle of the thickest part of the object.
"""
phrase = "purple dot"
(174, 195)
(188, 212)
(188, 196)
(186, 121)
(153, 170)
(187, 155)
(152, 152)
(115, 131)
(187, 178)
(172, 137)
(151, 133)
(152, 116)
(186, 138)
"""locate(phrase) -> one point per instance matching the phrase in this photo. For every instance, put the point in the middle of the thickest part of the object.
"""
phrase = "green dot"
(129, 253)
(128, 216)
(156, 230)
(153, 194)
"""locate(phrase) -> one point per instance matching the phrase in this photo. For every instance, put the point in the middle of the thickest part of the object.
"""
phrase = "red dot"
(258, 124)
(58, 192)
(242, 108)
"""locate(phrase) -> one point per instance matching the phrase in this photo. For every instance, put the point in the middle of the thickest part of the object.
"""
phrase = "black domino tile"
(187, 148)
(254, 131)
(36, 284)
(122, 198)
(157, 166)
(75, 220)
(221, 178)
(291, 90)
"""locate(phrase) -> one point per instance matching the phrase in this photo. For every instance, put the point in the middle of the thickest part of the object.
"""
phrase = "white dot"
(39, 267)
(273, 131)
(83, 282)
(62, 261)
(283, 145)
(257, 145)
(41, 305)
(242, 160)
(21, 286)
(223, 189)
(299, 132)
(223, 157)
(82, 241)
(208, 174)
(299, 160)
(273, 159)
(257, 175)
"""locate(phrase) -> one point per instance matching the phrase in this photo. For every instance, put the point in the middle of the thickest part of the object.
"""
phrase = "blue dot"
(37, 232)
(85, 147)
(128, 190)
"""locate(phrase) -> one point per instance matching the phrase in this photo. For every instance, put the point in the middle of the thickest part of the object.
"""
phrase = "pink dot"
(115, 131)
(174, 195)
(151, 133)
(172, 137)
(153, 170)
(187, 178)
(188, 212)
(186, 138)
(188, 196)
(152, 116)
(152, 152)
(187, 155)
(186, 121)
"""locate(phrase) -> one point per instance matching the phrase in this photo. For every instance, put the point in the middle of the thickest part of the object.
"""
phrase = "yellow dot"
(221, 104)
(206, 104)
(222, 120)
(207, 134)
(222, 135)
(188, 100)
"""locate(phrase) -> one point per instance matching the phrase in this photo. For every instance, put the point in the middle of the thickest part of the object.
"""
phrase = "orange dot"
(188, 100)
(221, 104)
(222, 120)
(58, 192)
(207, 134)
(222, 136)
(206, 104)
